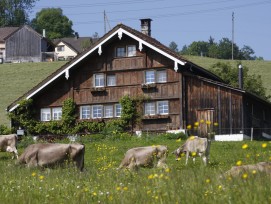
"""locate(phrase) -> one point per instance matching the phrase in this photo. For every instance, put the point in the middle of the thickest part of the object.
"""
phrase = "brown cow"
(48, 155)
(264, 167)
(194, 145)
(145, 157)
(8, 143)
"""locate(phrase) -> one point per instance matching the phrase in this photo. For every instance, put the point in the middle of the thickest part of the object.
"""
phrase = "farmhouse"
(68, 48)
(23, 44)
(177, 92)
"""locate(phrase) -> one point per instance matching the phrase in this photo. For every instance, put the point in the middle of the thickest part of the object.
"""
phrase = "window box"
(148, 86)
(97, 89)
(152, 117)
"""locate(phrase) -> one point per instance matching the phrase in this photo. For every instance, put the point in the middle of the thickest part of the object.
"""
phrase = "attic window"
(126, 51)
(60, 48)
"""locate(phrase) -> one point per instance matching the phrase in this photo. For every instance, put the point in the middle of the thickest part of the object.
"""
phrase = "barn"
(23, 44)
(177, 92)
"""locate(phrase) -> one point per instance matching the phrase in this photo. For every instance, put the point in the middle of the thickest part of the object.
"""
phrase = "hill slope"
(16, 79)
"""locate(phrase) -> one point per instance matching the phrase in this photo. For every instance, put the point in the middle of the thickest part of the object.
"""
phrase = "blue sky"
(175, 20)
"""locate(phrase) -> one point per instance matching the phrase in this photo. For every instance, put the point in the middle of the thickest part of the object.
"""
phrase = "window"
(131, 50)
(128, 51)
(117, 110)
(111, 80)
(108, 111)
(150, 108)
(153, 76)
(155, 108)
(60, 48)
(45, 114)
(161, 76)
(150, 77)
(57, 113)
(121, 52)
(99, 80)
(162, 107)
(85, 112)
(97, 111)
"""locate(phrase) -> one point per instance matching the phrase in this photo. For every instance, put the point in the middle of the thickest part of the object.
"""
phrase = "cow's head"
(77, 154)
(178, 153)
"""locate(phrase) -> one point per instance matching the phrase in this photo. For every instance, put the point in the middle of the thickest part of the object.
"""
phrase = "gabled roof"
(6, 31)
(117, 31)
(73, 43)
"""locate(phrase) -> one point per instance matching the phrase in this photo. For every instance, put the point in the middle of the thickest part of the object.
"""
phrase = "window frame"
(132, 51)
(158, 75)
(121, 51)
(58, 112)
(47, 112)
(99, 111)
(118, 109)
(103, 80)
(112, 76)
(60, 48)
(111, 111)
(159, 112)
(149, 79)
(85, 114)
(149, 110)
(126, 51)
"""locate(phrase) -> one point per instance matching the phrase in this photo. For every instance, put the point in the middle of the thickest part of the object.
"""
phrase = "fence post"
(251, 136)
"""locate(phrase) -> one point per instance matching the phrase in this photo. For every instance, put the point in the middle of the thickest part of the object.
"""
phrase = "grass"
(17, 79)
(102, 183)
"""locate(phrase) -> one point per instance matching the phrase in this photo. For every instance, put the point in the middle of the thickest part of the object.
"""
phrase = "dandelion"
(264, 145)
(219, 187)
(94, 193)
(257, 155)
(207, 180)
(196, 124)
(244, 176)
(125, 188)
(208, 122)
(188, 127)
(239, 163)
(244, 146)
(149, 191)
(33, 174)
(41, 178)
(254, 172)
(215, 124)
(118, 188)
(167, 170)
(248, 155)
(194, 154)
(150, 176)
(270, 158)
(201, 121)
(178, 140)
(192, 137)
(179, 158)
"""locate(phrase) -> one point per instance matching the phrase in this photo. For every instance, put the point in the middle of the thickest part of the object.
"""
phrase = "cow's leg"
(186, 159)
(204, 159)
(132, 164)
(194, 159)
(12, 150)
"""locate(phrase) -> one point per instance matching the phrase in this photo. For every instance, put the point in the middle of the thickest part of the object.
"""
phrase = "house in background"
(68, 48)
(177, 92)
(24, 44)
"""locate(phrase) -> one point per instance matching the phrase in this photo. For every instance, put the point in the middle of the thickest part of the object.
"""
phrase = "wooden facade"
(26, 45)
(190, 93)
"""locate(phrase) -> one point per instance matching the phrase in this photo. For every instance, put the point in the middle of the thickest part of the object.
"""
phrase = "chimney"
(240, 77)
(146, 26)
(43, 33)
(76, 35)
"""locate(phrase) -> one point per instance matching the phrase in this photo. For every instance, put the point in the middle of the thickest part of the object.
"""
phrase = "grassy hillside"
(16, 79)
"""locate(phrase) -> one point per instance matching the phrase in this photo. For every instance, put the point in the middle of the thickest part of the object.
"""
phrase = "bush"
(91, 138)
(120, 136)
(4, 130)
(25, 141)
(174, 136)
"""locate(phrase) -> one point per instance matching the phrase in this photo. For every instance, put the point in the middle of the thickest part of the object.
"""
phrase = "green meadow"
(100, 182)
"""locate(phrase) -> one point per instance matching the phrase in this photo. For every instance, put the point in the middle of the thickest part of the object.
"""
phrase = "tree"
(252, 83)
(173, 46)
(198, 48)
(15, 12)
(54, 22)
(225, 49)
(246, 53)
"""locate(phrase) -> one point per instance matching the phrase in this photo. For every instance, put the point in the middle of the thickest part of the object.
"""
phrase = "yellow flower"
(201, 121)
(188, 127)
(94, 193)
(270, 158)
(33, 174)
(208, 122)
(239, 163)
(219, 187)
(179, 158)
(244, 146)
(207, 180)
(254, 172)
(125, 188)
(194, 154)
(264, 145)
(167, 170)
(244, 176)
(150, 176)
(118, 188)
(215, 124)
(155, 175)
(196, 124)
(178, 140)
(41, 177)
(149, 191)
(248, 155)
(191, 137)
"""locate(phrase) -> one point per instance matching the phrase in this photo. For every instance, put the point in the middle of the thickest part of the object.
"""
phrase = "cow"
(53, 154)
(8, 143)
(264, 167)
(149, 156)
(194, 146)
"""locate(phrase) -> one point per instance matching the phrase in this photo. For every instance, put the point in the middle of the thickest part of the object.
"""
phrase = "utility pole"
(232, 41)
(106, 21)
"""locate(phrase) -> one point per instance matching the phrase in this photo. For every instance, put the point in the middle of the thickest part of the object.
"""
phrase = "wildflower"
(257, 155)
(167, 170)
(33, 174)
(178, 140)
(155, 176)
(219, 187)
(188, 127)
(150, 176)
(239, 163)
(201, 121)
(149, 191)
(118, 188)
(179, 158)
(194, 154)
(208, 122)
(161, 176)
(207, 180)
(196, 124)
(192, 137)
(41, 178)
(248, 155)
(254, 172)
(215, 124)
(270, 158)
(244, 176)
(244, 146)
(264, 145)
(94, 193)
(125, 188)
